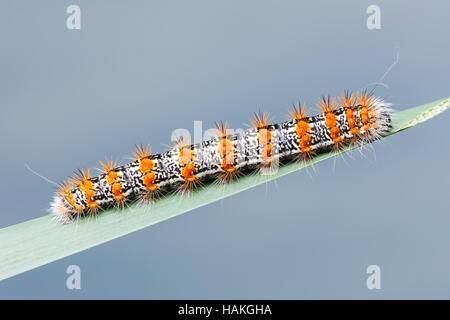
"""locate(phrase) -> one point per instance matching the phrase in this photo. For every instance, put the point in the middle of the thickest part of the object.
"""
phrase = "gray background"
(139, 69)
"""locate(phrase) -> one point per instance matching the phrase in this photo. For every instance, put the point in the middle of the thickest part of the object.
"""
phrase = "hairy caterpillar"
(350, 119)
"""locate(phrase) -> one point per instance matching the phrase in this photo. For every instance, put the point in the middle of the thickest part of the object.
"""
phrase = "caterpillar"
(350, 119)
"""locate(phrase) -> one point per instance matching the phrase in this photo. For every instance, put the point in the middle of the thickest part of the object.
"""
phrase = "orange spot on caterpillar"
(354, 131)
(116, 189)
(328, 106)
(228, 159)
(188, 172)
(148, 181)
(305, 141)
(302, 128)
(367, 112)
(225, 146)
(82, 178)
(330, 119)
(348, 100)
(351, 122)
(364, 115)
(90, 193)
(92, 204)
(334, 131)
(186, 161)
(86, 185)
(349, 113)
(350, 118)
(266, 153)
(143, 155)
(119, 197)
(66, 190)
(264, 136)
(306, 138)
(146, 165)
(306, 149)
(261, 122)
(229, 168)
(112, 177)
(71, 199)
(186, 156)
(226, 150)
(109, 167)
(364, 119)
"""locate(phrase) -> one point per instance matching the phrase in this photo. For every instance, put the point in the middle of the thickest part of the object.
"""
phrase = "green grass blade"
(36, 242)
